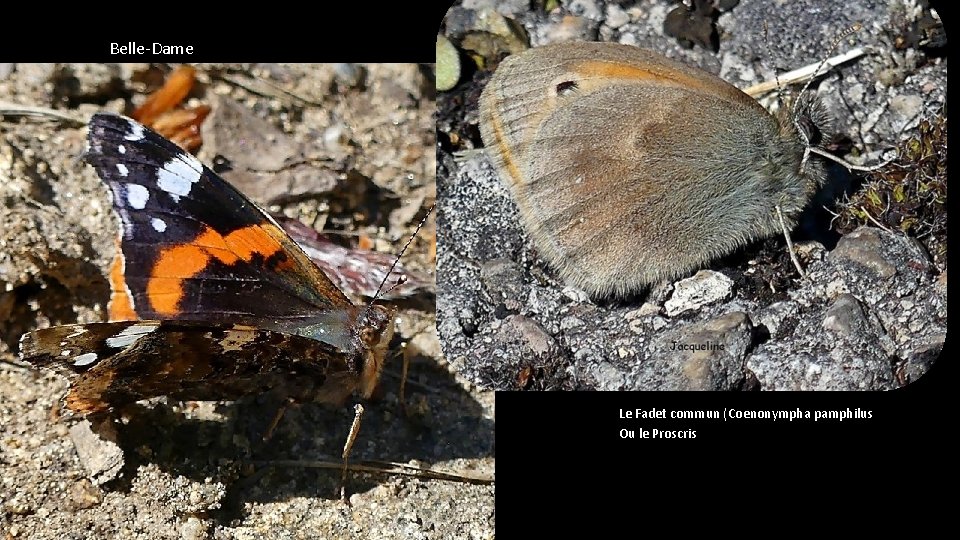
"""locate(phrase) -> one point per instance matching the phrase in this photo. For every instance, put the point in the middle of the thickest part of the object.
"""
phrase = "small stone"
(864, 247)
(485, 32)
(575, 294)
(616, 16)
(705, 287)
(584, 8)
(532, 336)
(426, 343)
(810, 251)
(503, 278)
(349, 75)
(193, 529)
(84, 495)
(336, 137)
(98, 450)
(658, 323)
(570, 28)
(907, 106)
(845, 316)
(608, 377)
(629, 39)
(774, 315)
(568, 323)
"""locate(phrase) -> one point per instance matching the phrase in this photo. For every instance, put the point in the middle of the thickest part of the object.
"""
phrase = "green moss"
(910, 194)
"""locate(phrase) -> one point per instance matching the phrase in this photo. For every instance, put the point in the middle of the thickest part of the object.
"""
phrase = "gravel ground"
(200, 470)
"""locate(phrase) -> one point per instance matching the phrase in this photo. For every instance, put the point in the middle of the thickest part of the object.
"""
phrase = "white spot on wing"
(137, 196)
(122, 168)
(85, 359)
(136, 132)
(158, 224)
(179, 174)
(66, 352)
(129, 335)
(121, 149)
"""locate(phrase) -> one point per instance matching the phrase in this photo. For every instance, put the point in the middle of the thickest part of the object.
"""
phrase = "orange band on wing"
(120, 307)
(618, 70)
(597, 74)
(176, 264)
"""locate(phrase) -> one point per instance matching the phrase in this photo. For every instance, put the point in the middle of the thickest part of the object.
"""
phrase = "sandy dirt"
(201, 470)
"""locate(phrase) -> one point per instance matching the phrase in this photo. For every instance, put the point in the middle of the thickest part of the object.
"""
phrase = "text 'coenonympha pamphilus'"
(631, 169)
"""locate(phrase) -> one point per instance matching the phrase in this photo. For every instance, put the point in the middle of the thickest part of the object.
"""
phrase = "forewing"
(192, 247)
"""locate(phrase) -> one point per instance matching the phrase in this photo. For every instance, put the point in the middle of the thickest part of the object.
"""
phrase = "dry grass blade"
(805, 73)
(382, 467)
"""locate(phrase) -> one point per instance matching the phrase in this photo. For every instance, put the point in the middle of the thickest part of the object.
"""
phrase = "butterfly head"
(374, 331)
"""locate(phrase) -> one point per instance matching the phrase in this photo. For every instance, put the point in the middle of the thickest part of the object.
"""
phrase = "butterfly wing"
(240, 308)
(117, 363)
(192, 247)
(595, 142)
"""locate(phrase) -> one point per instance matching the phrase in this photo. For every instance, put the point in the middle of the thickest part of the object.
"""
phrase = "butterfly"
(210, 298)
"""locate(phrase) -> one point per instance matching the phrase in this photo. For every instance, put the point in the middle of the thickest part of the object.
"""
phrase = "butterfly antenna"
(400, 254)
(400, 281)
(776, 70)
(852, 29)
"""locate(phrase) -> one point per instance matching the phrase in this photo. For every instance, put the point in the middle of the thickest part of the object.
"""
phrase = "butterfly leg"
(348, 445)
(786, 234)
(407, 352)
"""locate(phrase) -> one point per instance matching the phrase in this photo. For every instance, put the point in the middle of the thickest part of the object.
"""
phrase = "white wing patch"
(137, 196)
(158, 224)
(136, 132)
(179, 174)
(85, 359)
(129, 335)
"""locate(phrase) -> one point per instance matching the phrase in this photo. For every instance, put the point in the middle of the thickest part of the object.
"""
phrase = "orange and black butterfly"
(210, 298)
